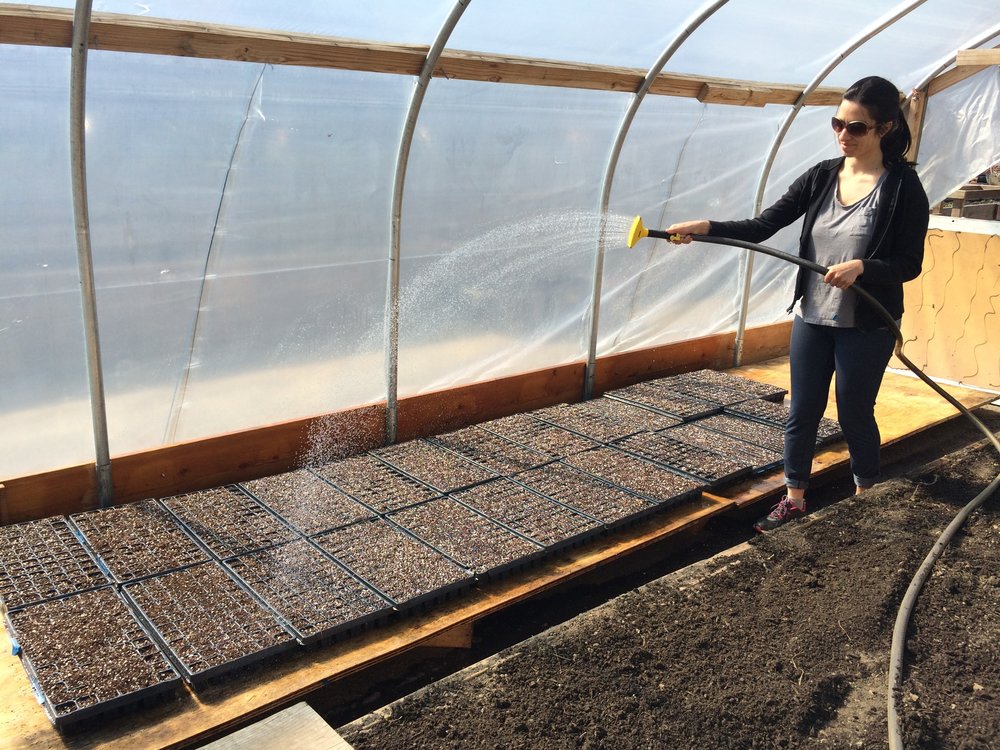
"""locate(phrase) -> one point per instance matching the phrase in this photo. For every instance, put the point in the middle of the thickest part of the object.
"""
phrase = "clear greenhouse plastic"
(240, 212)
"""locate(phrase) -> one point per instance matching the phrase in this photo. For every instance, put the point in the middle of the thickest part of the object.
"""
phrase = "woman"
(865, 219)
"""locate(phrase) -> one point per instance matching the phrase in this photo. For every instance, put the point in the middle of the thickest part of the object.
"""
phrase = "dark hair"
(881, 99)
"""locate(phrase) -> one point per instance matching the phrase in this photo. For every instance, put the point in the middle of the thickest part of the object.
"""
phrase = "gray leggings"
(859, 358)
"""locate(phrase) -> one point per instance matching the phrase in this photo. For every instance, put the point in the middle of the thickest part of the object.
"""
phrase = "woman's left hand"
(842, 275)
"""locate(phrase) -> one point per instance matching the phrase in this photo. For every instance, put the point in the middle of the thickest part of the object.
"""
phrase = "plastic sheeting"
(240, 213)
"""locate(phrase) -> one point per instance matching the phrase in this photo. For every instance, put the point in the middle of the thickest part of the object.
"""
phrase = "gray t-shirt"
(841, 233)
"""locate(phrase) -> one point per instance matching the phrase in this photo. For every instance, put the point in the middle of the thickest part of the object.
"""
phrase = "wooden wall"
(222, 459)
(951, 327)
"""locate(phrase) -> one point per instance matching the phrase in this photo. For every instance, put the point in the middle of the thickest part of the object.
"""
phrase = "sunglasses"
(857, 128)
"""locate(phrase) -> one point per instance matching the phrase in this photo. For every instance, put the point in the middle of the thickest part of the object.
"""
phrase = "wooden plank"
(954, 76)
(980, 57)
(52, 27)
(459, 636)
(298, 726)
(916, 110)
(263, 688)
(905, 407)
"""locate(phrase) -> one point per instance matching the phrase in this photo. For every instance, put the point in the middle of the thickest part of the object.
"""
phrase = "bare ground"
(782, 642)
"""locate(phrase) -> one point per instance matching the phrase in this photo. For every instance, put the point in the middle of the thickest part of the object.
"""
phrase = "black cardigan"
(895, 251)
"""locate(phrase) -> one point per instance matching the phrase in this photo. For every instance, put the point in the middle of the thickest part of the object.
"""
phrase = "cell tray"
(483, 545)
(648, 396)
(313, 594)
(530, 514)
(748, 430)
(43, 560)
(307, 502)
(535, 433)
(637, 475)
(209, 623)
(434, 465)
(735, 382)
(776, 414)
(760, 459)
(699, 463)
(137, 540)
(407, 570)
(228, 521)
(609, 504)
(604, 420)
(72, 646)
(375, 483)
(488, 449)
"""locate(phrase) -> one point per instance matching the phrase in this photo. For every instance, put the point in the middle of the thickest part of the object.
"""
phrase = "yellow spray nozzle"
(637, 232)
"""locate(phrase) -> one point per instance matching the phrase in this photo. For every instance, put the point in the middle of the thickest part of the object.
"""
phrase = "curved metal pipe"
(948, 61)
(85, 258)
(402, 159)
(746, 266)
(609, 174)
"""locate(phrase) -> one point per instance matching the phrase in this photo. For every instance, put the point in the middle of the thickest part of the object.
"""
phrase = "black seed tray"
(584, 492)
(735, 382)
(42, 560)
(604, 419)
(476, 542)
(402, 567)
(761, 459)
(776, 414)
(636, 475)
(313, 594)
(86, 654)
(535, 433)
(696, 462)
(530, 514)
(137, 540)
(711, 392)
(749, 430)
(656, 398)
(434, 465)
(228, 521)
(209, 623)
(492, 451)
(306, 501)
(376, 484)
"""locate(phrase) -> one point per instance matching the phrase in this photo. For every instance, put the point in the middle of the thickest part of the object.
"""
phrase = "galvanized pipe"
(609, 174)
(746, 266)
(81, 215)
(399, 180)
(950, 59)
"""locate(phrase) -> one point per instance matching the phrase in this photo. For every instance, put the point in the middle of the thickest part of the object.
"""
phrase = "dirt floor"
(781, 642)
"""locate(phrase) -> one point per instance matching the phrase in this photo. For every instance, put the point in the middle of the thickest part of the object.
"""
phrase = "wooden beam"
(978, 57)
(53, 27)
(956, 75)
(459, 636)
(916, 109)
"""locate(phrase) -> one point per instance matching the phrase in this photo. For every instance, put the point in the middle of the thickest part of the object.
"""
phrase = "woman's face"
(863, 147)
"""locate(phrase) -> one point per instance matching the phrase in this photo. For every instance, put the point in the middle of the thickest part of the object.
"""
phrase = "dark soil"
(782, 642)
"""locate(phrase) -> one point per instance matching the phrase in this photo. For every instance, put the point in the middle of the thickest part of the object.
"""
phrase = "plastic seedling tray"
(407, 570)
(376, 484)
(434, 465)
(228, 521)
(735, 382)
(656, 398)
(476, 542)
(776, 414)
(535, 433)
(42, 560)
(314, 595)
(694, 461)
(488, 449)
(636, 475)
(711, 392)
(137, 540)
(604, 419)
(86, 655)
(749, 430)
(209, 623)
(307, 502)
(611, 505)
(760, 459)
(531, 514)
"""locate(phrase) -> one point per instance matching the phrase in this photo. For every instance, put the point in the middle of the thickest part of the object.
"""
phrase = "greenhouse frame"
(226, 221)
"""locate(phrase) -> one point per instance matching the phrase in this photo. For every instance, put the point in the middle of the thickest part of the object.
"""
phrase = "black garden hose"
(910, 598)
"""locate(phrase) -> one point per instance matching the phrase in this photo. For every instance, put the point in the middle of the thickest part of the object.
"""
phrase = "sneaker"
(781, 513)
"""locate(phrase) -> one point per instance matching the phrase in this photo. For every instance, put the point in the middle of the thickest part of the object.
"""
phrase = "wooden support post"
(459, 636)
(915, 111)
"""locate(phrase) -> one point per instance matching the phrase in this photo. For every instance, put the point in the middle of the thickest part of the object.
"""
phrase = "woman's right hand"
(680, 233)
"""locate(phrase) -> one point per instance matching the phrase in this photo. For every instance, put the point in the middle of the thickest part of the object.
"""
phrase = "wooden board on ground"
(257, 690)
(296, 727)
